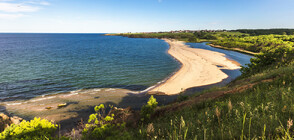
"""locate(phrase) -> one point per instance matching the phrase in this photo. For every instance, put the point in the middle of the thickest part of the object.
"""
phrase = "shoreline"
(188, 75)
(234, 49)
(79, 103)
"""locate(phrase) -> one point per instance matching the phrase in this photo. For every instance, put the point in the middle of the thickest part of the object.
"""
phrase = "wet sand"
(199, 68)
(79, 104)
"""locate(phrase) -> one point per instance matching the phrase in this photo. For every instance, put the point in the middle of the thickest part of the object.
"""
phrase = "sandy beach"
(199, 67)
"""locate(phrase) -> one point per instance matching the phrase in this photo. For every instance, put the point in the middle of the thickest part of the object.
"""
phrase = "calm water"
(37, 64)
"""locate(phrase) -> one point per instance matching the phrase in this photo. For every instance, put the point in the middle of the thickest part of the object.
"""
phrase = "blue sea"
(41, 64)
(38, 64)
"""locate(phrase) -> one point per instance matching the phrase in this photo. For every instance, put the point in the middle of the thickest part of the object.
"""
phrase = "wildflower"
(289, 123)
(217, 112)
(242, 104)
(230, 106)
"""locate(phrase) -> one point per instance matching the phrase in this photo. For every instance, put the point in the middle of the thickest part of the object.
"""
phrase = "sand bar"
(199, 67)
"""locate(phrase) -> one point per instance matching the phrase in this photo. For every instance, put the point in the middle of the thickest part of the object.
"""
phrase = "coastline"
(79, 103)
(234, 49)
(198, 68)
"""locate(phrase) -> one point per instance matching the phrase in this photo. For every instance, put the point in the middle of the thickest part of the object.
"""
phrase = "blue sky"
(108, 16)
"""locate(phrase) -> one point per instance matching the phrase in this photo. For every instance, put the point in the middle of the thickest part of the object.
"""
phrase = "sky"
(115, 16)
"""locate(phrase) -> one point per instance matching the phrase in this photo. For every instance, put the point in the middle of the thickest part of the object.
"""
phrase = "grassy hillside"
(259, 106)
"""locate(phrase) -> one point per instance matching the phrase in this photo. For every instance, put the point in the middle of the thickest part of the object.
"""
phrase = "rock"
(62, 105)
(4, 117)
(6, 121)
(48, 108)
(16, 120)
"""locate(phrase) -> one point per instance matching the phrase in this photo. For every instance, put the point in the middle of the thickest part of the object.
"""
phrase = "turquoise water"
(38, 64)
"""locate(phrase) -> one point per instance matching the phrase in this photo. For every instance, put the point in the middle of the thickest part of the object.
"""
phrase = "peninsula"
(199, 67)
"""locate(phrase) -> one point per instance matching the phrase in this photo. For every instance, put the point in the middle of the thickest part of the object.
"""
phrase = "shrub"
(271, 56)
(148, 110)
(30, 130)
(193, 39)
(101, 126)
(182, 97)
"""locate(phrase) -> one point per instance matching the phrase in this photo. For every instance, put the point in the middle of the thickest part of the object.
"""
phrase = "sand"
(199, 67)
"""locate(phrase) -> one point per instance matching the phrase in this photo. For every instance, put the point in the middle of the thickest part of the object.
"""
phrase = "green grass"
(259, 112)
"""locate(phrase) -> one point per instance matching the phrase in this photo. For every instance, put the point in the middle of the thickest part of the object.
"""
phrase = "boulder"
(15, 120)
(6, 121)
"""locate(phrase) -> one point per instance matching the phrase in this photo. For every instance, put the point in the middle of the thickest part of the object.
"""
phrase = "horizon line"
(142, 32)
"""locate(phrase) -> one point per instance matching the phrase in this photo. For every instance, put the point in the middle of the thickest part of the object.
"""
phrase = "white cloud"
(44, 3)
(10, 16)
(38, 2)
(14, 8)
(160, 0)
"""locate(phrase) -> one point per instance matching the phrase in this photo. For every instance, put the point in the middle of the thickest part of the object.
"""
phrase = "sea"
(34, 64)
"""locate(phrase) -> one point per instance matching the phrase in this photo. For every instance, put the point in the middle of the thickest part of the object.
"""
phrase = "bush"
(182, 97)
(148, 110)
(271, 56)
(101, 126)
(30, 130)
(193, 39)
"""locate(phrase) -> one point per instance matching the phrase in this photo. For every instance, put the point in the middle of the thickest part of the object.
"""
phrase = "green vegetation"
(270, 58)
(179, 36)
(264, 111)
(188, 37)
(148, 110)
(30, 130)
(257, 105)
(101, 126)
(256, 43)
(227, 39)
(267, 31)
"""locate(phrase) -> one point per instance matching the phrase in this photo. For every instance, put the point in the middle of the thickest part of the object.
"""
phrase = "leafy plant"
(148, 110)
(30, 130)
(101, 126)
(274, 57)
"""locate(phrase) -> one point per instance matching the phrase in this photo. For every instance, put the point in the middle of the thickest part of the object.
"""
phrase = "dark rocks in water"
(6, 121)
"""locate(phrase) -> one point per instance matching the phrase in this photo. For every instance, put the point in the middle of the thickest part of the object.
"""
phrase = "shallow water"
(80, 103)
(38, 64)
